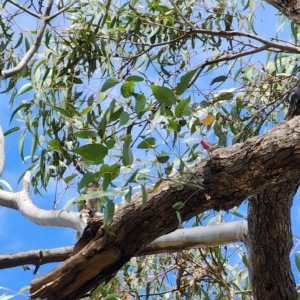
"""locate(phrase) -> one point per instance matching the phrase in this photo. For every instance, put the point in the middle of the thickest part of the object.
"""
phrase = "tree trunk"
(269, 242)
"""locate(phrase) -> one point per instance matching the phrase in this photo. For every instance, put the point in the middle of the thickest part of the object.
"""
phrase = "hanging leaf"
(127, 158)
(68, 179)
(163, 95)
(140, 102)
(162, 159)
(109, 83)
(124, 118)
(109, 212)
(92, 152)
(134, 78)
(181, 107)
(86, 179)
(127, 89)
(147, 143)
(221, 78)
(185, 81)
(86, 134)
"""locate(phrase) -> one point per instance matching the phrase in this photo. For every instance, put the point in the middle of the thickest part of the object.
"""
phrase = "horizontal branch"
(229, 176)
(22, 202)
(181, 239)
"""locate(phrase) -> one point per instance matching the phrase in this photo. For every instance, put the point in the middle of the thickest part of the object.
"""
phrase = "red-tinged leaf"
(206, 145)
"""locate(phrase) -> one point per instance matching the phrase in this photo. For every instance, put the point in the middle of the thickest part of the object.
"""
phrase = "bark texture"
(269, 242)
(290, 8)
(229, 176)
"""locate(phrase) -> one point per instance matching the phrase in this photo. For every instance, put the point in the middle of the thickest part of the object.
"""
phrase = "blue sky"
(18, 234)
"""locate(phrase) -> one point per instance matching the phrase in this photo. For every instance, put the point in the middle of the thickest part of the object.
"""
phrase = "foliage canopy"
(118, 97)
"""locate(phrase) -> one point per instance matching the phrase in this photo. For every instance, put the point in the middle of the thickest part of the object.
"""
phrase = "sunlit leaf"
(68, 179)
(185, 81)
(85, 134)
(147, 143)
(92, 152)
(163, 95)
(124, 118)
(109, 83)
(109, 212)
(181, 107)
(127, 159)
(127, 89)
(134, 78)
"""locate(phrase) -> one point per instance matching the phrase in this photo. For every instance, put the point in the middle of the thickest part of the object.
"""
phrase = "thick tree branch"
(21, 201)
(269, 241)
(181, 239)
(45, 19)
(290, 8)
(229, 175)
(65, 8)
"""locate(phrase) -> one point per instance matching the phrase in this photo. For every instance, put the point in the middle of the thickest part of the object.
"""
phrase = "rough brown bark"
(230, 175)
(290, 8)
(269, 242)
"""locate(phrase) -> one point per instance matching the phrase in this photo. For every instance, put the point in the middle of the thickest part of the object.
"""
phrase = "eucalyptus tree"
(125, 102)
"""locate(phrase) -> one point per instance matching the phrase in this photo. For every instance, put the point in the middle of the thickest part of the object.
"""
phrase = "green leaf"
(109, 83)
(55, 145)
(86, 179)
(162, 159)
(124, 118)
(26, 106)
(163, 95)
(11, 130)
(181, 107)
(127, 89)
(128, 195)
(109, 174)
(185, 81)
(86, 110)
(144, 194)
(178, 205)
(100, 97)
(127, 158)
(68, 179)
(221, 78)
(147, 143)
(86, 134)
(19, 42)
(132, 177)
(140, 102)
(62, 111)
(134, 78)
(76, 80)
(172, 125)
(92, 152)
(109, 212)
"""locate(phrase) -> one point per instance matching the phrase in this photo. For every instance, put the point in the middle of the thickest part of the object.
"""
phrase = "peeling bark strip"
(229, 176)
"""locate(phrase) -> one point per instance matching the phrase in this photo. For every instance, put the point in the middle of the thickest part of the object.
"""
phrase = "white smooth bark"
(181, 239)
(22, 202)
